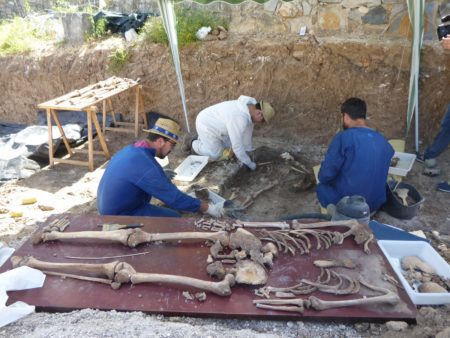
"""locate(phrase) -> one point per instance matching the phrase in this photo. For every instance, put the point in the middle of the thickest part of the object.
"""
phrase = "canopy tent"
(415, 11)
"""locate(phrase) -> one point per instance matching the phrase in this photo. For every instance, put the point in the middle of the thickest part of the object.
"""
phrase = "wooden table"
(185, 258)
(86, 99)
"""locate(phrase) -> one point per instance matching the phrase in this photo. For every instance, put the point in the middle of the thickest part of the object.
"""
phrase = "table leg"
(100, 136)
(50, 138)
(144, 116)
(61, 130)
(104, 116)
(136, 113)
(90, 141)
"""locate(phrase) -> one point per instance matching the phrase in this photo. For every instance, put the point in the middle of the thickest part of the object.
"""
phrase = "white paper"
(5, 253)
(21, 278)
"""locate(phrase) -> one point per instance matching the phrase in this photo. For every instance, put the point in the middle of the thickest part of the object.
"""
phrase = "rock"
(362, 327)
(444, 333)
(396, 325)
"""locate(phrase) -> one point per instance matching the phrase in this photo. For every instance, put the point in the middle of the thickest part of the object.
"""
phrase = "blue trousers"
(442, 139)
(155, 211)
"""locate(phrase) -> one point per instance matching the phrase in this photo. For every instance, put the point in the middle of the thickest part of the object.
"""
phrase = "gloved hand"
(215, 210)
(170, 174)
(251, 166)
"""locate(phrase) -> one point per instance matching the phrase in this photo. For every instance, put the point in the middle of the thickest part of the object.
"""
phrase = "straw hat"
(167, 128)
(267, 111)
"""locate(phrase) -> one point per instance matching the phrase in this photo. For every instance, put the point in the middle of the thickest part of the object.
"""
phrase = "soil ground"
(72, 189)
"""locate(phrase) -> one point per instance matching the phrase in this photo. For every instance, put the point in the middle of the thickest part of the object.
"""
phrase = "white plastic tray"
(395, 250)
(215, 199)
(190, 167)
(404, 165)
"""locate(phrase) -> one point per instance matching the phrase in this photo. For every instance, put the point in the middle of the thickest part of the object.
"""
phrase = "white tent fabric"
(416, 11)
(169, 20)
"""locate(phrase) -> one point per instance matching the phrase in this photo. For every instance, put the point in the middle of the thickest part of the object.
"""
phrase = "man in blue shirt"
(357, 161)
(133, 177)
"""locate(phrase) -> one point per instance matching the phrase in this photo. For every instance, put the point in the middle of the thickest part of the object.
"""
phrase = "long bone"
(388, 297)
(131, 237)
(120, 272)
(358, 231)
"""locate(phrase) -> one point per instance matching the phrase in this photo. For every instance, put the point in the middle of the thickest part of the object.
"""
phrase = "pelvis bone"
(117, 273)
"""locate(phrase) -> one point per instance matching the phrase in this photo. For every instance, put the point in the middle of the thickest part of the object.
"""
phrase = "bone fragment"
(345, 263)
(249, 272)
(415, 263)
(187, 295)
(200, 296)
(430, 287)
(251, 198)
(216, 270)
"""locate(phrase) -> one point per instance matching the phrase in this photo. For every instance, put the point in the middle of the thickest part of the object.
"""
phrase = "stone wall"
(355, 18)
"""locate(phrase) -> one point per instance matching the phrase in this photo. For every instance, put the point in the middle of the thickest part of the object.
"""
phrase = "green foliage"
(188, 23)
(118, 59)
(64, 6)
(99, 29)
(19, 36)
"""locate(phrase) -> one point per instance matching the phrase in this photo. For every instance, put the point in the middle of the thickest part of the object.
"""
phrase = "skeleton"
(299, 304)
(117, 273)
(242, 243)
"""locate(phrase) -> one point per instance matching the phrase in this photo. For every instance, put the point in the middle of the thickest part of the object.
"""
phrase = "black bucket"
(394, 205)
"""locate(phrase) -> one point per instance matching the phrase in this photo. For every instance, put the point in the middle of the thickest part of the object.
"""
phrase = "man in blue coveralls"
(357, 160)
(133, 177)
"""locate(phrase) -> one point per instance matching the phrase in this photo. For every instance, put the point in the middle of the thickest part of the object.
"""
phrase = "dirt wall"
(306, 80)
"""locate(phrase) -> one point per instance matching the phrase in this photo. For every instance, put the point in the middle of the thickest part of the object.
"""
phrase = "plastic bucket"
(394, 205)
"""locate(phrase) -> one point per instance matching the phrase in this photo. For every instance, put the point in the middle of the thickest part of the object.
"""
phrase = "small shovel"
(403, 194)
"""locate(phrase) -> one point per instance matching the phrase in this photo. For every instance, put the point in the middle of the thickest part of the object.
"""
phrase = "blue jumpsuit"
(356, 163)
(131, 179)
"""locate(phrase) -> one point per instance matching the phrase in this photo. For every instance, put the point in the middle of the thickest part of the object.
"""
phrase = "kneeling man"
(357, 161)
(133, 177)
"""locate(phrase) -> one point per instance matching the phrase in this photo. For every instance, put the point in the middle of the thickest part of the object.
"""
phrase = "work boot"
(187, 142)
(431, 168)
